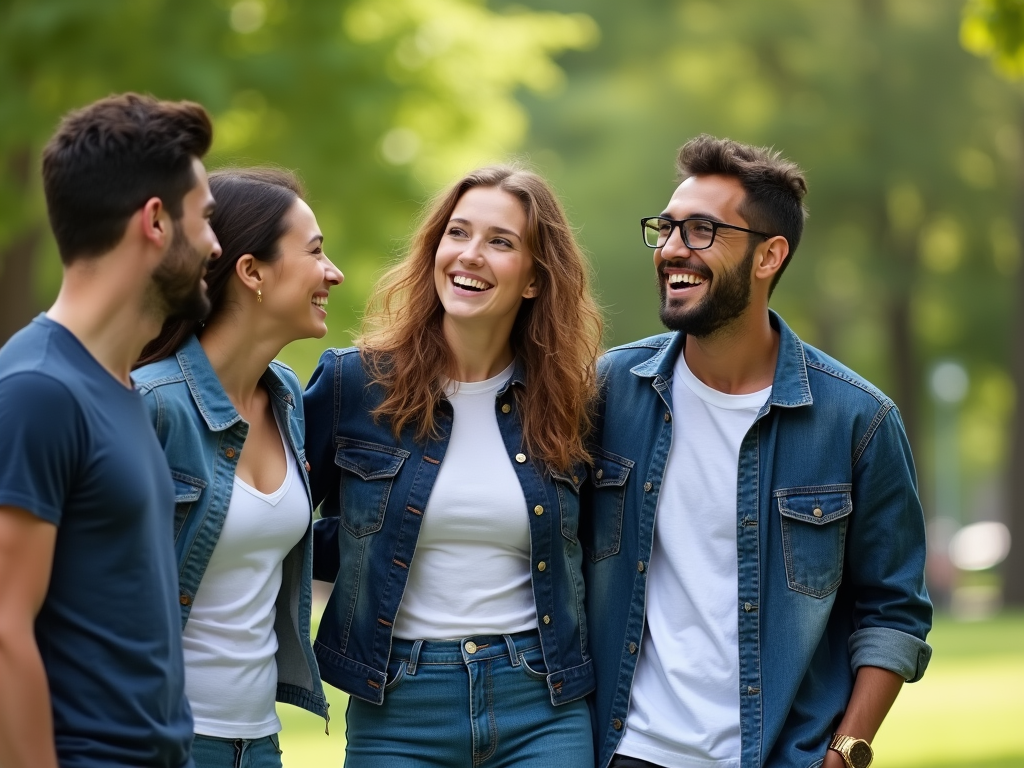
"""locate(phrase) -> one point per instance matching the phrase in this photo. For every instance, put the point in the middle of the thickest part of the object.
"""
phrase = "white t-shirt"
(685, 703)
(471, 570)
(229, 640)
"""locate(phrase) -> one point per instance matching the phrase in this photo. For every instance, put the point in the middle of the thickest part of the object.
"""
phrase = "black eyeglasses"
(697, 234)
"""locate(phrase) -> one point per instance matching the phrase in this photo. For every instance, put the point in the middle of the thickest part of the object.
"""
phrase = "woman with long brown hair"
(447, 449)
(229, 418)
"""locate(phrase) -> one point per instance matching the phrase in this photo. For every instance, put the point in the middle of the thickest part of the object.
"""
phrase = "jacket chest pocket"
(187, 490)
(368, 472)
(601, 526)
(814, 522)
(567, 488)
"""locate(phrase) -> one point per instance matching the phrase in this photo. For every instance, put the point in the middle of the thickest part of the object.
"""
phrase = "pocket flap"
(186, 488)
(574, 477)
(370, 461)
(610, 470)
(815, 505)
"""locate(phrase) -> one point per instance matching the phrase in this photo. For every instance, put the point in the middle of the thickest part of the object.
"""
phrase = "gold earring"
(259, 296)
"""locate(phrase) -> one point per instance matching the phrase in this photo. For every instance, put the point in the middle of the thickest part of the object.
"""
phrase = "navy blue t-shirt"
(77, 450)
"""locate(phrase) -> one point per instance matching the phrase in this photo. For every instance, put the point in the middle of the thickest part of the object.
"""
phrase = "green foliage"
(995, 29)
(374, 102)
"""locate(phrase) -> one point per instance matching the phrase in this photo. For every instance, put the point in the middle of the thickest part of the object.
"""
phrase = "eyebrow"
(697, 215)
(494, 229)
(315, 238)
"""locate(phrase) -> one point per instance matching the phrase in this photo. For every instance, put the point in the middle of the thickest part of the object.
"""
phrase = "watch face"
(860, 755)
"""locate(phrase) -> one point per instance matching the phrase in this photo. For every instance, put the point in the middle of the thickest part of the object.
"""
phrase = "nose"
(332, 275)
(215, 251)
(471, 254)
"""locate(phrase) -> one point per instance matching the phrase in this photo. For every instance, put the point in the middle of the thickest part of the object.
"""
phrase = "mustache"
(688, 264)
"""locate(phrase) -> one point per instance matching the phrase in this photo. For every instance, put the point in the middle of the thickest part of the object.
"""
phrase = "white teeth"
(320, 301)
(684, 277)
(469, 282)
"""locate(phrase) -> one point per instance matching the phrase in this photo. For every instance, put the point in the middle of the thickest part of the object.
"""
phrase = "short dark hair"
(775, 187)
(252, 204)
(107, 159)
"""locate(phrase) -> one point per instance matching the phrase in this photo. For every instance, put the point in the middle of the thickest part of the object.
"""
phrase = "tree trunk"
(18, 260)
(17, 283)
(1013, 569)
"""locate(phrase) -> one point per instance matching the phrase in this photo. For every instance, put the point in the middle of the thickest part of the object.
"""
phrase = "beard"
(177, 291)
(728, 297)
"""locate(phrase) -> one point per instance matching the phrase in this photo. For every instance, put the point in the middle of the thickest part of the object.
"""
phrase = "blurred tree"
(995, 29)
(372, 101)
(911, 149)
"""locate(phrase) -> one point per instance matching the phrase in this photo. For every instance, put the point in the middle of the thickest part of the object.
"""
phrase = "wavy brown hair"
(557, 334)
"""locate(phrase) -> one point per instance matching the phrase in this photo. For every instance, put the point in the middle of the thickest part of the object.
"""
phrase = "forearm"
(26, 723)
(874, 692)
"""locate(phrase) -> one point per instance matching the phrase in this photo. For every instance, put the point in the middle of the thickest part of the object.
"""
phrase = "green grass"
(967, 711)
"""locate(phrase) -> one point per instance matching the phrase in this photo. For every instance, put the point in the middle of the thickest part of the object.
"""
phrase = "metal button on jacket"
(521, 458)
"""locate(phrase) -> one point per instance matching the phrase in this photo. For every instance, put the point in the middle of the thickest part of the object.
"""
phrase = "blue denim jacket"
(374, 489)
(202, 435)
(830, 544)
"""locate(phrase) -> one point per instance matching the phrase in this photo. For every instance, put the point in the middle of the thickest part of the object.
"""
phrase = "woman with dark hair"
(448, 452)
(230, 420)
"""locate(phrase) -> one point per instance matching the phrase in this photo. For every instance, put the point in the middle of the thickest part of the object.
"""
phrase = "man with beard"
(755, 543)
(90, 641)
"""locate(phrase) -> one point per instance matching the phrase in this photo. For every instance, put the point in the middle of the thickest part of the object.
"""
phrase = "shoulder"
(625, 356)
(827, 373)
(162, 373)
(345, 365)
(39, 396)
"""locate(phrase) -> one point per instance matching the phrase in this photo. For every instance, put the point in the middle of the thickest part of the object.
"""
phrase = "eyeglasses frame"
(715, 226)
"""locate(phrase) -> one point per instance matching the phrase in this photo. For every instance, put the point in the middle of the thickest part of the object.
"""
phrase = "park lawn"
(967, 711)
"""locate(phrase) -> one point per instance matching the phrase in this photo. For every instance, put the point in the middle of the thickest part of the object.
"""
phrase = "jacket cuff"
(891, 649)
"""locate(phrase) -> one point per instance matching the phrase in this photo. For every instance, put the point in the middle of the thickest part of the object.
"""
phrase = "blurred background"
(907, 115)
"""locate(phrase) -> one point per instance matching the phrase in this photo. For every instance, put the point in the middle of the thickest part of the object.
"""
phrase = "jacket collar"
(790, 388)
(518, 376)
(210, 398)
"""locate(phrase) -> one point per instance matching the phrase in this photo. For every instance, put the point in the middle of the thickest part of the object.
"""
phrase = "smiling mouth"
(320, 301)
(683, 281)
(470, 284)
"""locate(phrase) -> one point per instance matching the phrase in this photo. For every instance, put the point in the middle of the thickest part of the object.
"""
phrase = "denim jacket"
(202, 435)
(374, 489)
(829, 536)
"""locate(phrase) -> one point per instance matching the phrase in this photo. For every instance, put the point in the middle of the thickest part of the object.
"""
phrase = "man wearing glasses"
(755, 542)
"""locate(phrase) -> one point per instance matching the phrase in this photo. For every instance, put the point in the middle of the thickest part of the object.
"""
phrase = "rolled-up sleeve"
(885, 556)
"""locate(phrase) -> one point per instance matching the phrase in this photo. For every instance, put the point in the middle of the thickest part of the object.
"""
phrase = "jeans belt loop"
(512, 654)
(414, 658)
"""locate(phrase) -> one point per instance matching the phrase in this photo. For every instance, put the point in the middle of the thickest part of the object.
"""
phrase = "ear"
(250, 272)
(156, 223)
(773, 255)
(532, 290)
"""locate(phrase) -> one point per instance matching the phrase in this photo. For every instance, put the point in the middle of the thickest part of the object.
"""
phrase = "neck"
(738, 359)
(103, 306)
(240, 351)
(480, 351)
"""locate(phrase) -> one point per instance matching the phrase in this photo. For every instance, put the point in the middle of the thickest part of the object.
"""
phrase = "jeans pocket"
(275, 740)
(814, 521)
(396, 674)
(369, 470)
(532, 661)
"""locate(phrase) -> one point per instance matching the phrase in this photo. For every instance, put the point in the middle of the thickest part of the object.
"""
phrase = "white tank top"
(471, 570)
(229, 640)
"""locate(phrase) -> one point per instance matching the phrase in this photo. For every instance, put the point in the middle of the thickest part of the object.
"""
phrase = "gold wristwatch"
(856, 753)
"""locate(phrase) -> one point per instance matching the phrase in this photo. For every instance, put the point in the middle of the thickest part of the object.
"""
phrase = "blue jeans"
(479, 702)
(214, 752)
